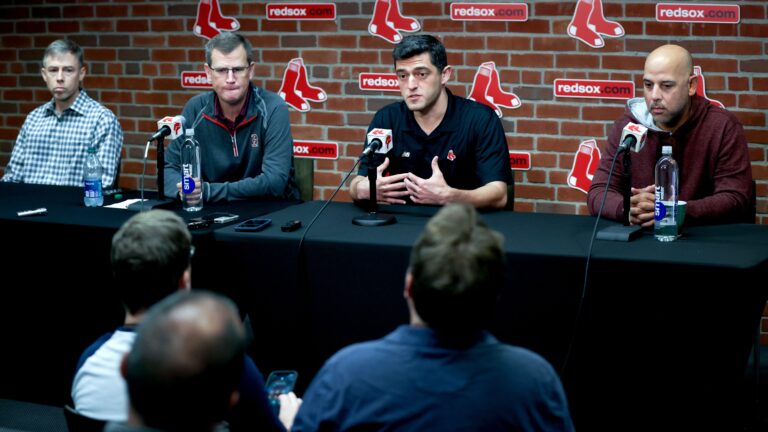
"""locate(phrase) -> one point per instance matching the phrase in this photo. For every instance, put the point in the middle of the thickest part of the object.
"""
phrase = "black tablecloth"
(664, 331)
(665, 328)
(57, 281)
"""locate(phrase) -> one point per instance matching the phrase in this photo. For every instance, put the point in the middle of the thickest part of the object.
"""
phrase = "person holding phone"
(184, 370)
(151, 260)
(444, 371)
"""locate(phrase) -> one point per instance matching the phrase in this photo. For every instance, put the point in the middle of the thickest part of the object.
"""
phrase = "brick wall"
(135, 51)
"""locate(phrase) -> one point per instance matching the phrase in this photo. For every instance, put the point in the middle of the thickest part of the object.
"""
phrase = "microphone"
(632, 137)
(379, 141)
(169, 126)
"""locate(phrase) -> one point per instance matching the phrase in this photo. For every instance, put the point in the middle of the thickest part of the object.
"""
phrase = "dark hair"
(225, 43)
(414, 45)
(64, 46)
(150, 253)
(457, 267)
(186, 361)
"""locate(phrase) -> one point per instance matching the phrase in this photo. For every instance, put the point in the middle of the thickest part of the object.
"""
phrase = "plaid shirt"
(51, 148)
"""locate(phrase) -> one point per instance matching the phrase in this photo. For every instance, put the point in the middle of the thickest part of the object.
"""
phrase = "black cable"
(586, 268)
(328, 201)
(143, 173)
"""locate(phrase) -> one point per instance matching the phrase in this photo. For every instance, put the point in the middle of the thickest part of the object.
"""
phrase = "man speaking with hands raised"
(445, 148)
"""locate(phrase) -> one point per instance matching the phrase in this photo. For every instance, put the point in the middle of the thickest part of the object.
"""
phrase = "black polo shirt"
(469, 143)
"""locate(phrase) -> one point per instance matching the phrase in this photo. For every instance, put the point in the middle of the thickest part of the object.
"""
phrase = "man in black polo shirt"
(445, 148)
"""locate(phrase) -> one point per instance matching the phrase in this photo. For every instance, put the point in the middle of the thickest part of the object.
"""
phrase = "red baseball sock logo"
(296, 89)
(589, 23)
(701, 87)
(585, 163)
(400, 22)
(210, 21)
(487, 90)
(602, 25)
(387, 20)
(304, 88)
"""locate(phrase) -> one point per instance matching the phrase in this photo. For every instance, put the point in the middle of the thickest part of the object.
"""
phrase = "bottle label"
(187, 184)
(92, 188)
(664, 213)
(659, 211)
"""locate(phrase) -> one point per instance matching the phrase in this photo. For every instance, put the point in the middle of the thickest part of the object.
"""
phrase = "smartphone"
(197, 223)
(220, 217)
(253, 225)
(280, 382)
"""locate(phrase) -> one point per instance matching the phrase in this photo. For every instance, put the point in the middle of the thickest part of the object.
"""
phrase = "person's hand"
(289, 406)
(433, 190)
(196, 196)
(389, 190)
(641, 206)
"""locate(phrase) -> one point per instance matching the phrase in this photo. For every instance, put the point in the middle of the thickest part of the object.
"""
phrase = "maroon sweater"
(711, 151)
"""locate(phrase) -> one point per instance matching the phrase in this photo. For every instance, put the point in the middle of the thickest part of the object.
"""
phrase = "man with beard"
(707, 142)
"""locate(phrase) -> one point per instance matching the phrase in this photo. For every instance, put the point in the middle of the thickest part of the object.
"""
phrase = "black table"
(664, 332)
(64, 298)
(675, 321)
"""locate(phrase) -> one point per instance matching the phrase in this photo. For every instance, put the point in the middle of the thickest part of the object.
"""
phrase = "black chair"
(511, 195)
(77, 422)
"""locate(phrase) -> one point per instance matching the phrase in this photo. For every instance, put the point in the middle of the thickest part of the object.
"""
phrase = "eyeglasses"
(67, 71)
(236, 71)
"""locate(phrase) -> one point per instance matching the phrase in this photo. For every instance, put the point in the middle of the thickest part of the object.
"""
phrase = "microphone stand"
(627, 165)
(146, 204)
(161, 168)
(373, 218)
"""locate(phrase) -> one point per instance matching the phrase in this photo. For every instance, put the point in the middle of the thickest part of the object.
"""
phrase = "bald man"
(708, 143)
(184, 369)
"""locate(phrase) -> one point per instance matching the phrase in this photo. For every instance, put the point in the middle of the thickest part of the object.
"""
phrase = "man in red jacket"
(707, 142)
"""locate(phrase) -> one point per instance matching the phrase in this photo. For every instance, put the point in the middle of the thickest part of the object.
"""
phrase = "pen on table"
(35, 212)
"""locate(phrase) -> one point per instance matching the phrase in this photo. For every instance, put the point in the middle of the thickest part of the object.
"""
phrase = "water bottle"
(665, 222)
(92, 179)
(191, 200)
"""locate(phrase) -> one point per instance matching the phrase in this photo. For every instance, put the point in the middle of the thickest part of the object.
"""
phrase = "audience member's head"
(150, 258)
(185, 365)
(456, 271)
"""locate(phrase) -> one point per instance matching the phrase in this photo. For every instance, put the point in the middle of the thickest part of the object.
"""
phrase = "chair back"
(77, 422)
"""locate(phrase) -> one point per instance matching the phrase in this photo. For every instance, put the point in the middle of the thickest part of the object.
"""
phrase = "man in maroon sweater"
(707, 142)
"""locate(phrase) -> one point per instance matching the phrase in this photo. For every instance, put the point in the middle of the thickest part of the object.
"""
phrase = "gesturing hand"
(433, 190)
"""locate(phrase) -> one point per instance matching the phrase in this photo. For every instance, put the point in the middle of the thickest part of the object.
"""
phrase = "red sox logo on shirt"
(210, 21)
(451, 156)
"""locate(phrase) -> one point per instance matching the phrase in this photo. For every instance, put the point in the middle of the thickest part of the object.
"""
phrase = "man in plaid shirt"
(52, 144)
